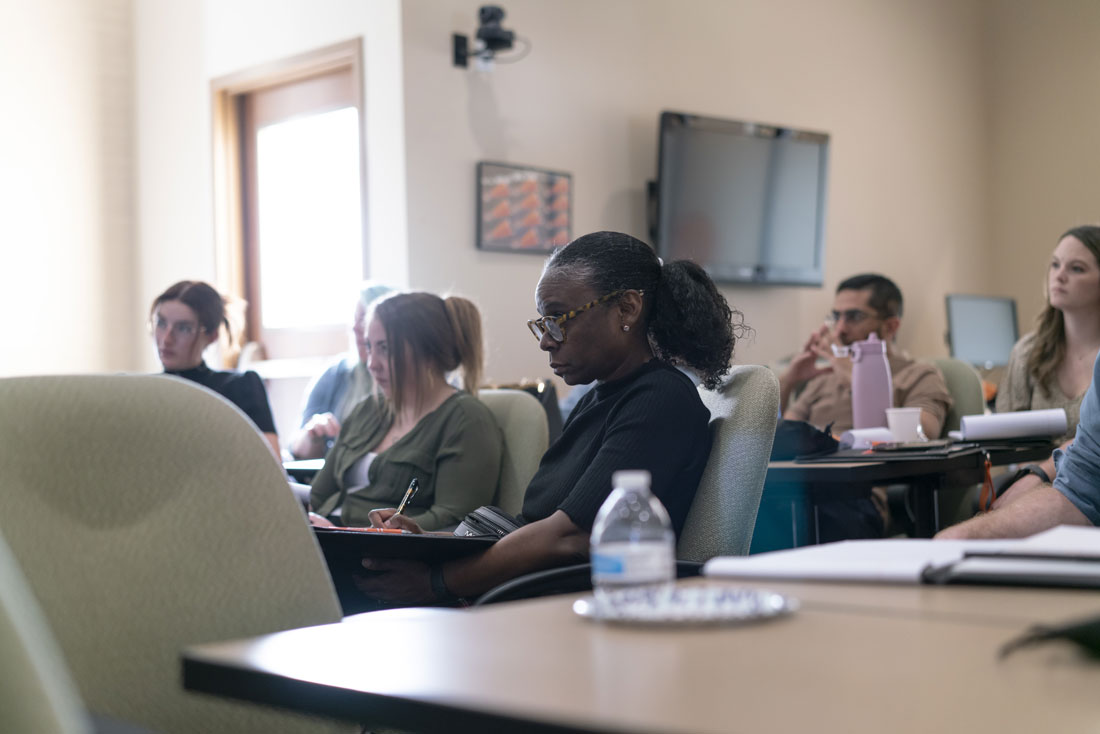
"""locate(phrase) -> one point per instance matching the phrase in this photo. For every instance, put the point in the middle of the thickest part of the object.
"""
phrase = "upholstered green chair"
(148, 514)
(522, 422)
(37, 693)
(965, 386)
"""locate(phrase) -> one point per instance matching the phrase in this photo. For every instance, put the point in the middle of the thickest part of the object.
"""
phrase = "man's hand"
(310, 442)
(322, 427)
(804, 365)
(825, 347)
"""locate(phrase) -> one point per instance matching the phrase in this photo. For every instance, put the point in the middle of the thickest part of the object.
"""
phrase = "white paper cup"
(904, 423)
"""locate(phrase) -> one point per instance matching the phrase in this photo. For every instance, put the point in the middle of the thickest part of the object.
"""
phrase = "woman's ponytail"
(468, 345)
(692, 324)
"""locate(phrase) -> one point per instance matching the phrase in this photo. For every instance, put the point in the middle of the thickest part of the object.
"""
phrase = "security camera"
(489, 39)
(490, 14)
(490, 33)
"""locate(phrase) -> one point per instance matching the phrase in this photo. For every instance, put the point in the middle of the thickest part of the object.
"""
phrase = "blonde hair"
(428, 337)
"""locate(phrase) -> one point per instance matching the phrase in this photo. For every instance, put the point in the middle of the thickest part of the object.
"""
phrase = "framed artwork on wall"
(523, 209)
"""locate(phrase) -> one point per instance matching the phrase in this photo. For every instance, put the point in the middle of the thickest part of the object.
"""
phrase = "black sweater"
(243, 389)
(651, 419)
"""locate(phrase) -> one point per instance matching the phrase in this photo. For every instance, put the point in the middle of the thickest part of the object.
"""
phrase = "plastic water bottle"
(632, 545)
(872, 388)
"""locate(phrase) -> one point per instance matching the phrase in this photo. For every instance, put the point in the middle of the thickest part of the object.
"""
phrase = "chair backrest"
(148, 514)
(965, 386)
(36, 691)
(743, 417)
(522, 422)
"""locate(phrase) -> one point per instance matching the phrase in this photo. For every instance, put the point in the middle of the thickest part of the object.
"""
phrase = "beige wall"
(182, 47)
(961, 141)
(898, 85)
(174, 199)
(1044, 66)
(66, 211)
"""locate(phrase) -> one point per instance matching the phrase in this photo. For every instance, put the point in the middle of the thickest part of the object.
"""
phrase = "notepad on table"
(908, 560)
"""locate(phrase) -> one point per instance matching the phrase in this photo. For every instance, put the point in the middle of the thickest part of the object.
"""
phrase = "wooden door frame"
(227, 95)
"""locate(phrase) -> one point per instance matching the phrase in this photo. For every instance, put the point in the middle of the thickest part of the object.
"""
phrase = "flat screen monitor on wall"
(981, 330)
(744, 200)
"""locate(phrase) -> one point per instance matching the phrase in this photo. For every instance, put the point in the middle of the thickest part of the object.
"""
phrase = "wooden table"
(793, 489)
(854, 658)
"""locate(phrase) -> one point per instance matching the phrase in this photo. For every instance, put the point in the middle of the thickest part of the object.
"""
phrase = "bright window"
(289, 167)
(310, 224)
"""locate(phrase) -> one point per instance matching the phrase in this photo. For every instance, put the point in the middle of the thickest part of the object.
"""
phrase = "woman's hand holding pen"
(392, 580)
(388, 518)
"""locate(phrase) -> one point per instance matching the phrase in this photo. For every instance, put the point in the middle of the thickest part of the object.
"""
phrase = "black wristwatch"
(1031, 469)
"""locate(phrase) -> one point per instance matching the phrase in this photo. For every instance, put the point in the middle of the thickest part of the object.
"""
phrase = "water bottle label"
(605, 564)
(632, 563)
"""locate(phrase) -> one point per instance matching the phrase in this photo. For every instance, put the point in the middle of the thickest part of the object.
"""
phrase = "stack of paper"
(903, 560)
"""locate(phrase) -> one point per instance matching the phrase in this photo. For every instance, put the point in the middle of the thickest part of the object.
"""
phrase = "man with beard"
(864, 305)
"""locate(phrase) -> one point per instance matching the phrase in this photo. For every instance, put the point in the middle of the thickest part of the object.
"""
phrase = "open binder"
(1066, 556)
(1018, 569)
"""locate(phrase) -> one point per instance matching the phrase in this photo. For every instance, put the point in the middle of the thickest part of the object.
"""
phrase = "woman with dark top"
(610, 311)
(185, 320)
(416, 425)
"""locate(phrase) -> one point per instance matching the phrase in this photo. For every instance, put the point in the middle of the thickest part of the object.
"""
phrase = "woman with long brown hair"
(1051, 367)
(416, 425)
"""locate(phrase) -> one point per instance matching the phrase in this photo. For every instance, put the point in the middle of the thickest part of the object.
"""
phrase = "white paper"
(895, 560)
(863, 438)
(1064, 540)
(889, 561)
(1051, 422)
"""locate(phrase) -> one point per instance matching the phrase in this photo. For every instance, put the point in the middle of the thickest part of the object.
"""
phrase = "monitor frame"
(758, 273)
(951, 298)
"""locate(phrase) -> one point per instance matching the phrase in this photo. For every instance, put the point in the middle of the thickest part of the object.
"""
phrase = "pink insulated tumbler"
(872, 389)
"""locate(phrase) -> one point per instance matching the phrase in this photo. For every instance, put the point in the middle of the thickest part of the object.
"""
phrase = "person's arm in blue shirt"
(1074, 498)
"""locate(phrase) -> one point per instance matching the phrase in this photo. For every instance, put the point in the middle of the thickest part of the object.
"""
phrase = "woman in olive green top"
(416, 425)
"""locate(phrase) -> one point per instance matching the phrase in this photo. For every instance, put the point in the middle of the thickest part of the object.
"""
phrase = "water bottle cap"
(871, 345)
(631, 479)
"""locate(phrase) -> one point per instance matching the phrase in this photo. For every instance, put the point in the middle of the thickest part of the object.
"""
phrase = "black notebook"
(352, 546)
(344, 550)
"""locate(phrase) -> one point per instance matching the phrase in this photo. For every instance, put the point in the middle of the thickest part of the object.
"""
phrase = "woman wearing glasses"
(186, 319)
(612, 313)
(416, 425)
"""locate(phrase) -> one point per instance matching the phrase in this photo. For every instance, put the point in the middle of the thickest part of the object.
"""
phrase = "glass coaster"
(690, 605)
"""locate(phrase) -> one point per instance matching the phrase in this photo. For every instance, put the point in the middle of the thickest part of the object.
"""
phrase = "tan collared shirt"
(828, 399)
